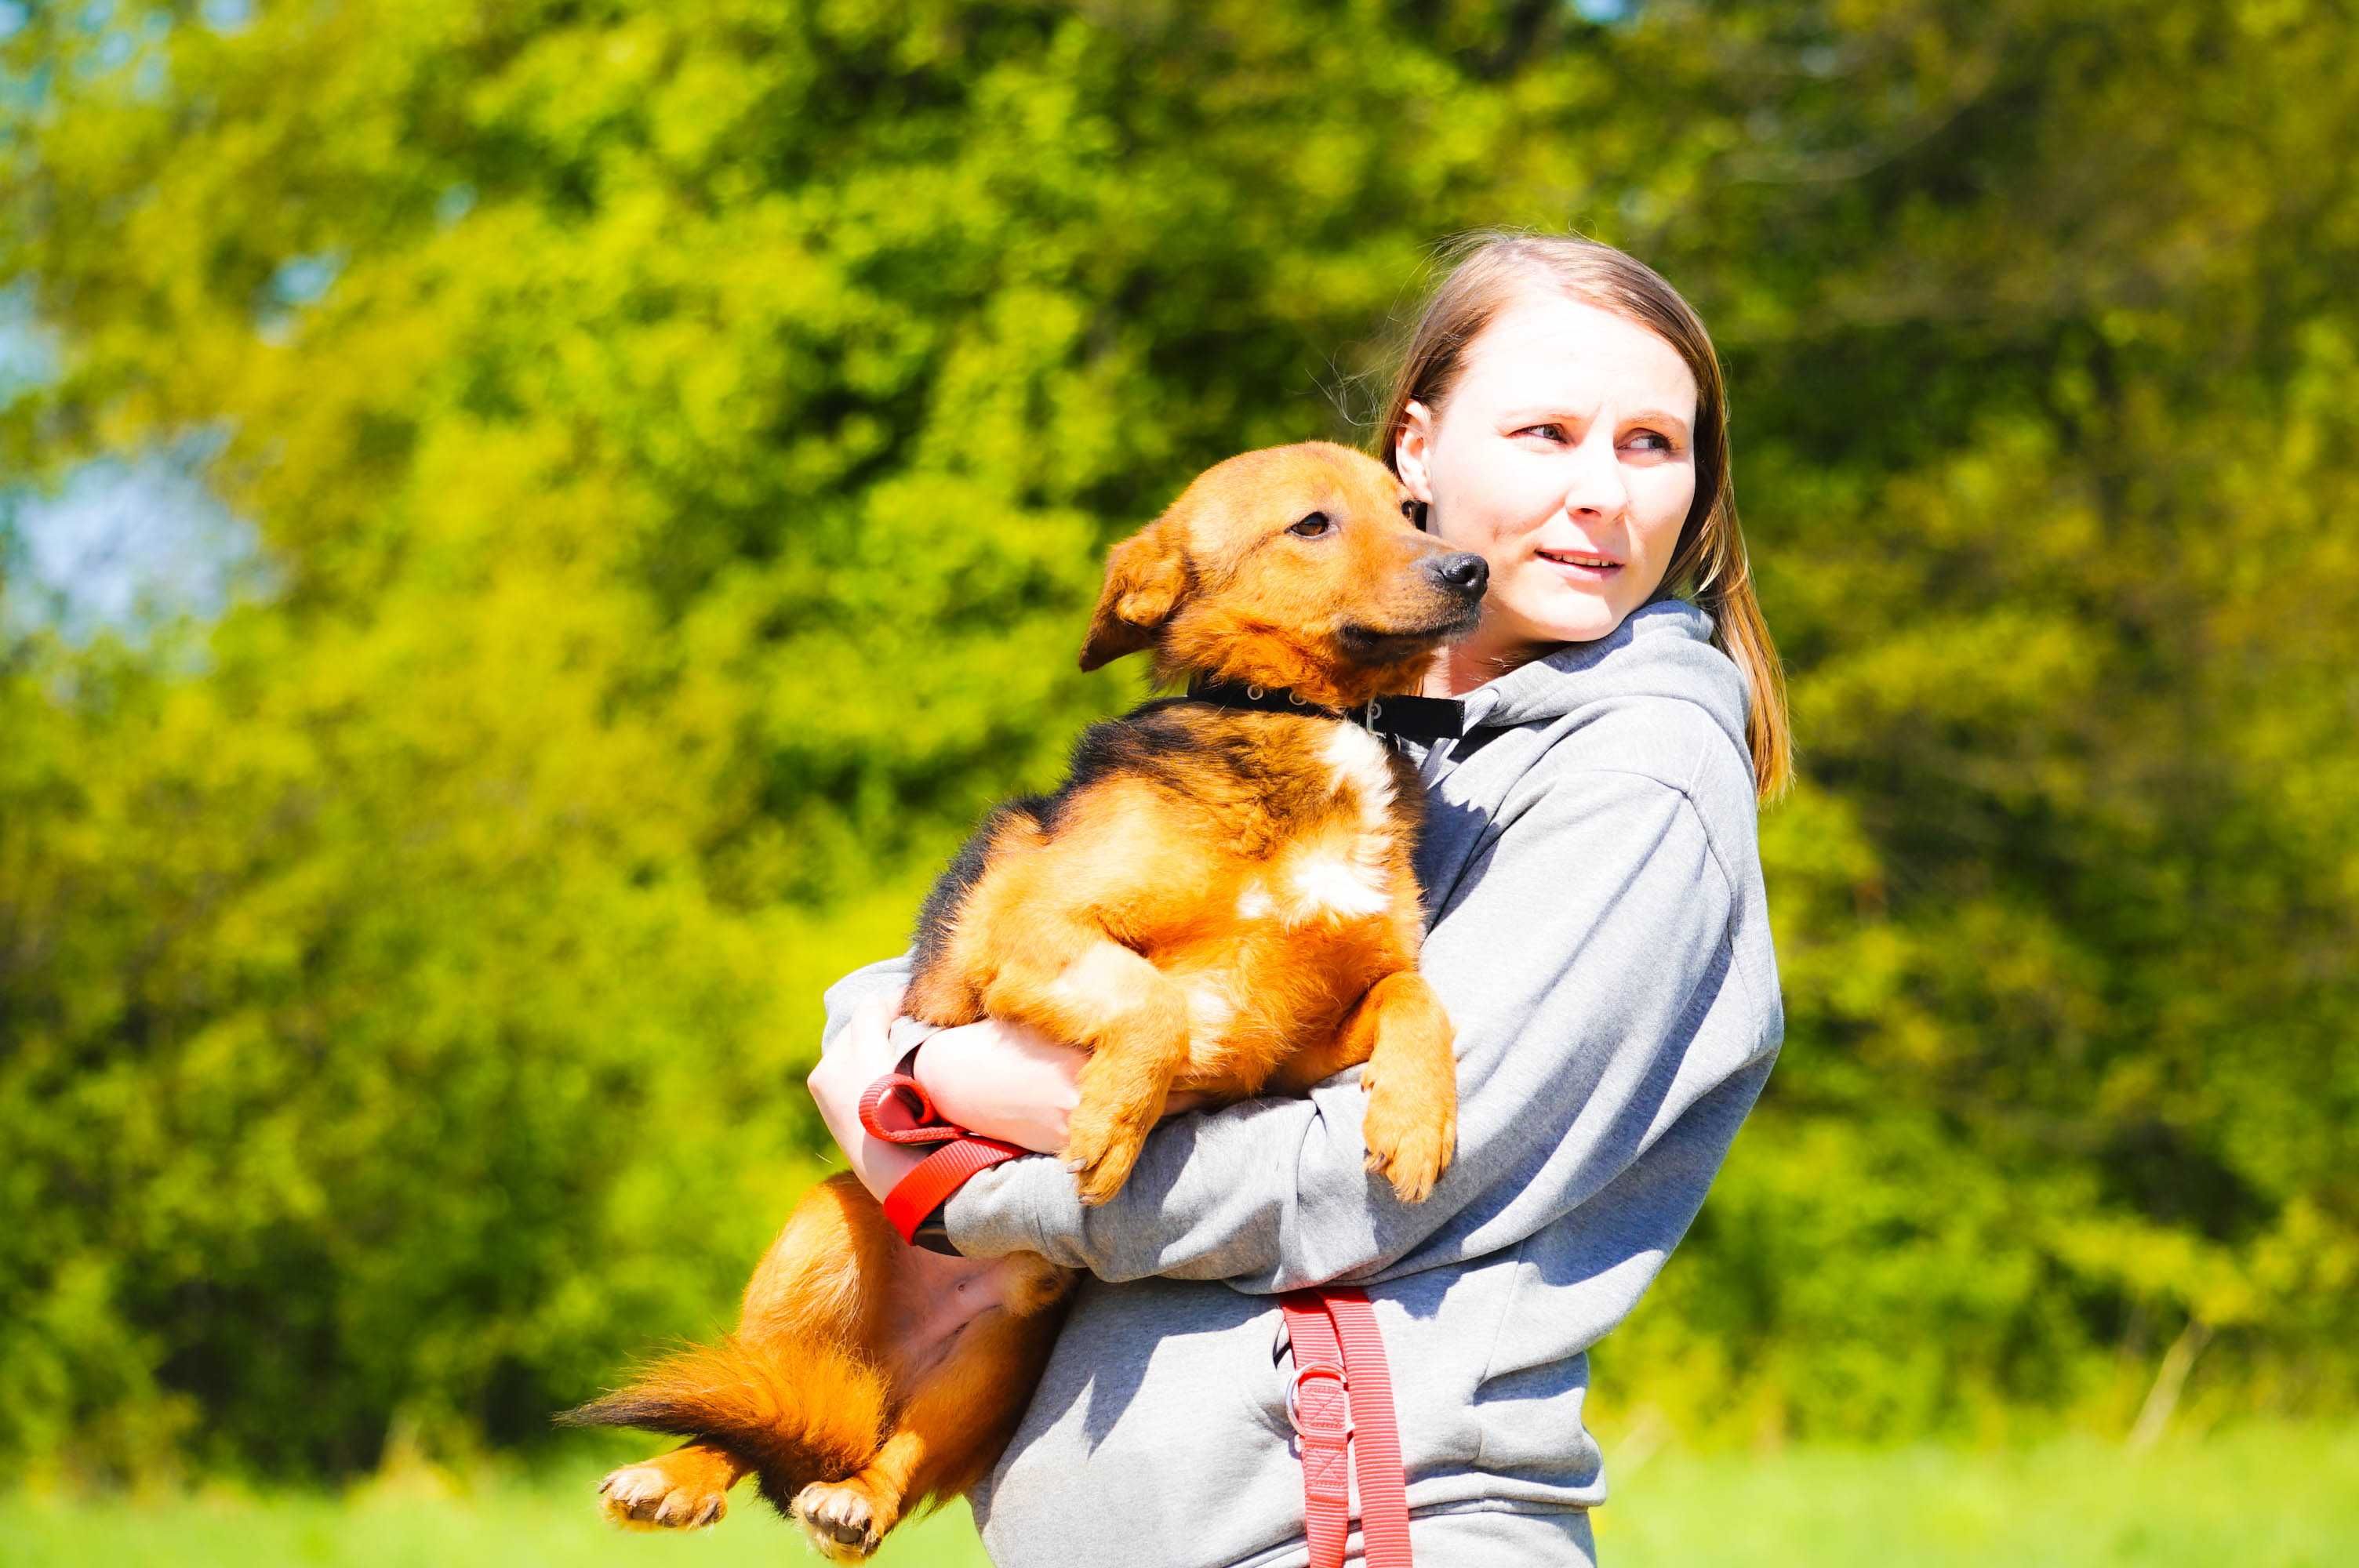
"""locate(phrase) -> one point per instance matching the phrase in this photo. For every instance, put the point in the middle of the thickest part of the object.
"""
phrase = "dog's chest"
(1339, 866)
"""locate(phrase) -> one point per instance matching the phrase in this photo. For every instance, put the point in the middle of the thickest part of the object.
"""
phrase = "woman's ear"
(1411, 449)
(1145, 575)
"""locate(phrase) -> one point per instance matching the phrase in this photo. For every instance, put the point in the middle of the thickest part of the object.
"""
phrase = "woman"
(1597, 932)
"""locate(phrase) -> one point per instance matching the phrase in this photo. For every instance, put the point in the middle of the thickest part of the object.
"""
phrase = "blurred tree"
(684, 435)
(2043, 326)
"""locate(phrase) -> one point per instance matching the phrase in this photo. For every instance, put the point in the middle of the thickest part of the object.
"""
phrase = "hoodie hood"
(1661, 650)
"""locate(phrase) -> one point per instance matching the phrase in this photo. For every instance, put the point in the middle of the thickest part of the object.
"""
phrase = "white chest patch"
(1358, 763)
(1339, 883)
(1254, 903)
(1346, 879)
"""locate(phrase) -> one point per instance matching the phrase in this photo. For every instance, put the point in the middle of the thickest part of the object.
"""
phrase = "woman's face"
(1565, 458)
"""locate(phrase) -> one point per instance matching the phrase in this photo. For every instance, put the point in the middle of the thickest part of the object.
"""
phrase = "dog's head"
(1295, 566)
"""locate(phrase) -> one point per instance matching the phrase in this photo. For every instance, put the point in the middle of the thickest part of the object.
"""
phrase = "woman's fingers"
(861, 1053)
(871, 1021)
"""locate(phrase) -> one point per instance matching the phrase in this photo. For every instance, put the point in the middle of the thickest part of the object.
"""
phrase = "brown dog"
(1217, 900)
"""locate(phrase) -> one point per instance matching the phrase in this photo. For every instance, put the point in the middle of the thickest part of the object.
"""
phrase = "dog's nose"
(1461, 571)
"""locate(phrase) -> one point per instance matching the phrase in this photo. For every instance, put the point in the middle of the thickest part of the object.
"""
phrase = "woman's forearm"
(1011, 1082)
(1003, 1080)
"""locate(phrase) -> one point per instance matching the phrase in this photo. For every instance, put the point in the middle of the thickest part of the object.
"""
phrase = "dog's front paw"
(652, 1497)
(1409, 1138)
(841, 1520)
(1099, 1152)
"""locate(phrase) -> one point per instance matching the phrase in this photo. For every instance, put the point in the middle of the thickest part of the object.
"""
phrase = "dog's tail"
(795, 1415)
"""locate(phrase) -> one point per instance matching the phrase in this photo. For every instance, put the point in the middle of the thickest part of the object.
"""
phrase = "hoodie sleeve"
(885, 978)
(1588, 943)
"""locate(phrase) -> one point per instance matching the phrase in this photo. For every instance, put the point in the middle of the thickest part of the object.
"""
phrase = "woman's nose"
(1595, 484)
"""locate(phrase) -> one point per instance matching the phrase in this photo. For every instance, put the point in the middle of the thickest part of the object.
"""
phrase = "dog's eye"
(1311, 527)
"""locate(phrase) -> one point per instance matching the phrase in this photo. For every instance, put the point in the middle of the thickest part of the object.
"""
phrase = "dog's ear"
(1145, 575)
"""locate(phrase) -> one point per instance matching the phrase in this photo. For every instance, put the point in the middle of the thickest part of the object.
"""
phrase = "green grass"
(2267, 1497)
(417, 1523)
(2259, 1498)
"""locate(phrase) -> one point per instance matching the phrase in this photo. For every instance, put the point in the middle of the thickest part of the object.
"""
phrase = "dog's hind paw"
(650, 1497)
(841, 1520)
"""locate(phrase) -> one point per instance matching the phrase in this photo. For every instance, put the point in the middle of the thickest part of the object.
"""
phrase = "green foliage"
(686, 494)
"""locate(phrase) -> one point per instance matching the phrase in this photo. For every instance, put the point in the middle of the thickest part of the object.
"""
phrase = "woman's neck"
(1459, 668)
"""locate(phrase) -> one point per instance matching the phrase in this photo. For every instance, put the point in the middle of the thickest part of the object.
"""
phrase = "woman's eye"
(1649, 440)
(1311, 527)
(1546, 432)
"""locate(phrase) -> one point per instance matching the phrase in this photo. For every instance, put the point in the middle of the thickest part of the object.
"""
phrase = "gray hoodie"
(1598, 933)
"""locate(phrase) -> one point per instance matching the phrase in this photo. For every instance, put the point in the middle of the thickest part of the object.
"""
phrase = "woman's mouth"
(1583, 566)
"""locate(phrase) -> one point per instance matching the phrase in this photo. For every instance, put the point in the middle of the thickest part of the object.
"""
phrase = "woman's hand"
(861, 1053)
(1010, 1082)
(1003, 1080)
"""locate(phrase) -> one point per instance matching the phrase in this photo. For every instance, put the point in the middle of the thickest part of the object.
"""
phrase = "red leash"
(1340, 1398)
(1341, 1402)
(896, 1109)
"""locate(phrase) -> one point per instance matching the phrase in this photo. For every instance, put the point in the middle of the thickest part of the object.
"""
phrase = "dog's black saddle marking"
(1411, 717)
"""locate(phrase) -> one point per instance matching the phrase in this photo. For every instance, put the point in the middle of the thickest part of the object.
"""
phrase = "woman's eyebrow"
(1541, 412)
(1654, 416)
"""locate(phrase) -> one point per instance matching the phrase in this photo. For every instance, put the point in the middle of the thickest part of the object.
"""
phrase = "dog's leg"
(1080, 986)
(1400, 1030)
(1411, 1078)
(798, 1391)
(684, 1490)
(1315, 1065)
(953, 1427)
(827, 1274)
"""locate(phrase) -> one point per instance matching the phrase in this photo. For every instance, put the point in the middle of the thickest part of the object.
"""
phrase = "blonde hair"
(1709, 567)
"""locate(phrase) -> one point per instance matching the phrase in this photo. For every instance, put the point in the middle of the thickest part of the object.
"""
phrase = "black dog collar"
(1410, 718)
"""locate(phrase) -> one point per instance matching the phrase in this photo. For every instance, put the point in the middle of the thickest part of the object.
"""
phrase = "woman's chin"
(1585, 619)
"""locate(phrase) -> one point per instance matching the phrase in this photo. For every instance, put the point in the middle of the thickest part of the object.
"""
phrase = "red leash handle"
(897, 1108)
(1341, 1402)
